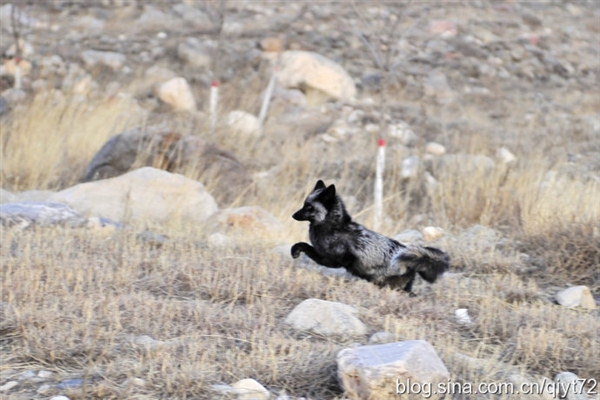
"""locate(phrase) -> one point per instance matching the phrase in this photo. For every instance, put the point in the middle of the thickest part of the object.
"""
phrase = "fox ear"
(319, 185)
(327, 196)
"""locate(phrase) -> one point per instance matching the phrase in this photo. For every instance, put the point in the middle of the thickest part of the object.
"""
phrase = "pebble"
(8, 385)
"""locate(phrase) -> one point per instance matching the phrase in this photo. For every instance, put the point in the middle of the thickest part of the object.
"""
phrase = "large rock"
(570, 386)
(326, 318)
(576, 296)
(147, 195)
(178, 94)
(219, 169)
(308, 70)
(39, 213)
(383, 371)
(249, 389)
(7, 197)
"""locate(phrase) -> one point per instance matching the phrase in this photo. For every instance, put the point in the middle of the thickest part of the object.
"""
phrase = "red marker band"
(381, 142)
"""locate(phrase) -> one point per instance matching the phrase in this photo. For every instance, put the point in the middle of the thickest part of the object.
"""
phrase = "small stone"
(177, 93)
(44, 374)
(435, 149)
(26, 375)
(576, 296)
(462, 316)
(249, 389)
(8, 385)
(271, 44)
(402, 131)
(70, 383)
(505, 156)
(46, 389)
(113, 60)
(431, 233)
(410, 167)
(243, 123)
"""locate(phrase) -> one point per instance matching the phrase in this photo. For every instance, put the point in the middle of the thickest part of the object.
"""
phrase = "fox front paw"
(296, 250)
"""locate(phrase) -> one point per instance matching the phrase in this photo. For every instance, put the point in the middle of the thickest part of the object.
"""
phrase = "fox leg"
(404, 282)
(310, 251)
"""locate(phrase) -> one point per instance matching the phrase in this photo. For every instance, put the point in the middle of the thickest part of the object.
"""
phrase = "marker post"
(265, 104)
(214, 101)
(378, 206)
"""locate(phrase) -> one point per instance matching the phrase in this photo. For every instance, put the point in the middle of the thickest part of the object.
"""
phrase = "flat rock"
(146, 195)
(379, 371)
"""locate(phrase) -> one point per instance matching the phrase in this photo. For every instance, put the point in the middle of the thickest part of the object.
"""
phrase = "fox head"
(321, 204)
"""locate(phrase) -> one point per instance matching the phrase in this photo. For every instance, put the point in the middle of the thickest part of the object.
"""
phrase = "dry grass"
(74, 302)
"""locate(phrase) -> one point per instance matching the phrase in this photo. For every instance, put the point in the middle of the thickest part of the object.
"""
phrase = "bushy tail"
(429, 262)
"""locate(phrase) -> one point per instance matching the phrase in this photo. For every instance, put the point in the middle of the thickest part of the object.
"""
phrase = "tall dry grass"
(77, 304)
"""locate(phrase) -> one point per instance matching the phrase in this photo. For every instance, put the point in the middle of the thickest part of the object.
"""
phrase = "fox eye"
(308, 207)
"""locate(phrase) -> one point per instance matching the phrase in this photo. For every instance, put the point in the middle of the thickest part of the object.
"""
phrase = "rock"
(462, 316)
(251, 222)
(177, 93)
(576, 296)
(383, 371)
(326, 318)
(505, 156)
(243, 123)
(303, 69)
(435, 149)
(410, 167)
(8, 385)
(146, 195)
(249, 389)
(570, 387)
(44, 374)
(59, 398)
(431, 233)
(172, 152)
(113, 60)
(34, 195)
(26, 214)
(7, 197)
(193, 52)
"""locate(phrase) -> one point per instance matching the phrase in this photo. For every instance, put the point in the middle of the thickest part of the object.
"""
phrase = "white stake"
(214, 101)
(265, 104)
(378, 209)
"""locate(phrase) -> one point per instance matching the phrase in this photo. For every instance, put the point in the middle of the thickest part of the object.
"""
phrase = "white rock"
(39, 213)
(576, 296)
(44, 374)
(570, 387)
(146, 195)
(7, 197)
(8, 385)
(303, 68)
(249, 389)
(377, 371)
(431, 233)
(505, 156)
(462, 316)
(113, 60)
(177, 93)
(243, 123)
(403, 132)
(435, 149)
(326, 318)
(410, 167)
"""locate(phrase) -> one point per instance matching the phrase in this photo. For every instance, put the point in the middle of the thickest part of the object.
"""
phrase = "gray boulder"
(172, 152)
(326, 318)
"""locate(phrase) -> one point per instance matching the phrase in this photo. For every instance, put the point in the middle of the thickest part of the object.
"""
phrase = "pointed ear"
(327, 196)
(319, 185)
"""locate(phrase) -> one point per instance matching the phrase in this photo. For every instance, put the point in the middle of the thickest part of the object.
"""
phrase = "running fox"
(339, 242)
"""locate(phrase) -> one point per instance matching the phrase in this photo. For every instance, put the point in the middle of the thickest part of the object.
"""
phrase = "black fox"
(338, 242)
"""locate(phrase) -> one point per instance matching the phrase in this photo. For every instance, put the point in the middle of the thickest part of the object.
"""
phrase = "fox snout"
(300, 215)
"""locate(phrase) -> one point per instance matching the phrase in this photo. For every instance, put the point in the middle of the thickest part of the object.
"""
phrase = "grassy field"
(76, 304)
